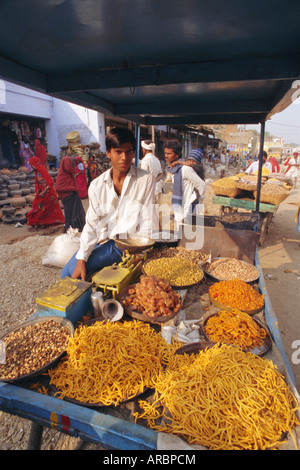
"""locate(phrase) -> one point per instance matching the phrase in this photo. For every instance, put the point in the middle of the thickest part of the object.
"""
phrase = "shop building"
(26, 115)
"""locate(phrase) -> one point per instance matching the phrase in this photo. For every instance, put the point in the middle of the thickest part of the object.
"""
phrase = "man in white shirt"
(121, 201)
(253, 168)
(151, 163)
(292, 170)
(188, 187)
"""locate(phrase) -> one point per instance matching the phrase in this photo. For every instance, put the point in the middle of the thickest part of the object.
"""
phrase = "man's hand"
(80, 270)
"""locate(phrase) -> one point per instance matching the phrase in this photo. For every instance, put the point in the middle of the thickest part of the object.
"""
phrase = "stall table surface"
(114, 427)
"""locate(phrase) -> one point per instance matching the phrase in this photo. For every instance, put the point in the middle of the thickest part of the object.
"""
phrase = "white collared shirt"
(254, 167)
(109, 214)
(190, 183)
(152, 164)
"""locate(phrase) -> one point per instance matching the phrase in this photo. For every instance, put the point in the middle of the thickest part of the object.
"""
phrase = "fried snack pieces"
(153, 296)
(235, 327)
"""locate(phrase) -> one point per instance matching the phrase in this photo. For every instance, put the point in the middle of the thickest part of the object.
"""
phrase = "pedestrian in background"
(67, 191)
(151, 163)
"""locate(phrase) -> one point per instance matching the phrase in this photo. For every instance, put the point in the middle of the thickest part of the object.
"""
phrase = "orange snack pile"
(235, 328)
(237, 294)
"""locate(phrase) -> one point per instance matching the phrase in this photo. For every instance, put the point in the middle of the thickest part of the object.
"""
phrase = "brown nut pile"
(32, 347)
(231, 268)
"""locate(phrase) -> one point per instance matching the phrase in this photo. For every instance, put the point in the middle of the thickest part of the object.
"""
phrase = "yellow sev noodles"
(222, 398)
(110, 362)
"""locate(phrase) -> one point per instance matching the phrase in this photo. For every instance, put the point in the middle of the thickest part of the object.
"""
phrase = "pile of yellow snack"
(223, 399)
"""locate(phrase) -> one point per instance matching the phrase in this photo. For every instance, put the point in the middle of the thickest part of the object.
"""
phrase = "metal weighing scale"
(118, 276)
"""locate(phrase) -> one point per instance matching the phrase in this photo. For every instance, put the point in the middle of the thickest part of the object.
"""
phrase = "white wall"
(68, 117)
(15, 99)
(60, 116)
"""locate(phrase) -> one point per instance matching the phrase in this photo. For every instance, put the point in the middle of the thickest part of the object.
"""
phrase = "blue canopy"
(157, 61)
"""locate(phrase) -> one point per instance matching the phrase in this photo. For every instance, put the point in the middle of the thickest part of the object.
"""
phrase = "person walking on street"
(151, 163)
(188, 187)
(45, 210)
(67, 190)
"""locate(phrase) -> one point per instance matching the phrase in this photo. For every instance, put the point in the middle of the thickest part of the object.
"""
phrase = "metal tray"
(54, 389)
(172, 285)
(166, 238)
(229, 309)
(255, 278)
(133, 243)
(141, 316)
(259, 350)
(62, 321)
(194, 348)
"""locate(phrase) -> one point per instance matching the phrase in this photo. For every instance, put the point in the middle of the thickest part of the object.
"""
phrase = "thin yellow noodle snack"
(110, 362)
(222, 398)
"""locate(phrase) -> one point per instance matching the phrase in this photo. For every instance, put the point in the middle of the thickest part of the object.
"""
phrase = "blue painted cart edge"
(93, 426)
(75, 420)
(271, 319)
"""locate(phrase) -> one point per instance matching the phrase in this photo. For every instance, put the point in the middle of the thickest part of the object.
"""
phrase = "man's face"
(170, 155)
(121, 157)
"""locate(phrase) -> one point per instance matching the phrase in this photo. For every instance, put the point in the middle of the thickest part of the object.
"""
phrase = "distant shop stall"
(15, 129)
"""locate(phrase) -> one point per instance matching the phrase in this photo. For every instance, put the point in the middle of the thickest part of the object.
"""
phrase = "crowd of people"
(123, 198)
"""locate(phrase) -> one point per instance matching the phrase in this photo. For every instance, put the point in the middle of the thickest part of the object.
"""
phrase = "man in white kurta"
(151, 163)
(253, 168)
(293, 168)
(121, 201)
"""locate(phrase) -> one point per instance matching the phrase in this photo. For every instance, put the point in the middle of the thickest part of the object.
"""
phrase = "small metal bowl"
(133, 243)
(60, 320)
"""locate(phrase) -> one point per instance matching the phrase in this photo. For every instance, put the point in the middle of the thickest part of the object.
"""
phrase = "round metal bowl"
(258, 350)
(221, 260)
(141, 316)
(133, 243)
(177, 287)
(166, 238)
(227, 307)
(194, 348)
(60, 320)
(96, 405)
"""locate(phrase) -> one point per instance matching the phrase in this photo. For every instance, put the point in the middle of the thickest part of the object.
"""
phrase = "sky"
(285, 124)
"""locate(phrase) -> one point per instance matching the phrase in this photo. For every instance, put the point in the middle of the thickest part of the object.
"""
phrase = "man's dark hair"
(175, 145)
(119, 136)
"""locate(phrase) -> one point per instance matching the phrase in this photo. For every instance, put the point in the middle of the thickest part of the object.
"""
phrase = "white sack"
(62, 248)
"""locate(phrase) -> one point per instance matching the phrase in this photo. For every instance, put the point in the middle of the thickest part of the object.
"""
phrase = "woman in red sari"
(45, 207)
(67, 191)
(81, 177)
(40, 152)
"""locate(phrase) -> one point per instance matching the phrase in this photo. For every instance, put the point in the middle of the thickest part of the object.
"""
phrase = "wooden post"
(137, 136)
(262, 138)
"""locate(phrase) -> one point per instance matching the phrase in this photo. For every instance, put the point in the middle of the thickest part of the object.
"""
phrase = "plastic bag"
(62, 248)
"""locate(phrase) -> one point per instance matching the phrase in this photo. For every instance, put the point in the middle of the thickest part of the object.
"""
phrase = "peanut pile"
(32, 347)
(231, 268)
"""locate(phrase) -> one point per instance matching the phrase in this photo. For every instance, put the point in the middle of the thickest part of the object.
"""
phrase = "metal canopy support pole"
(137, 136)
(262, 138)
